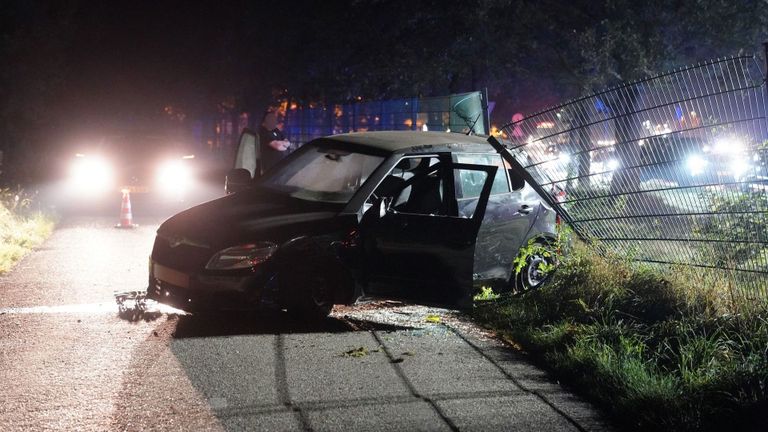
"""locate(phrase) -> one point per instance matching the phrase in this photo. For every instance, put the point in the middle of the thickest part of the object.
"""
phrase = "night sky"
(101, 61)
(72, 68)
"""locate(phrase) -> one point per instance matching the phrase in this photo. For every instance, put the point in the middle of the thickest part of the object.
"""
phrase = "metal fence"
(457, 112)
(216, 136)
(666, 170)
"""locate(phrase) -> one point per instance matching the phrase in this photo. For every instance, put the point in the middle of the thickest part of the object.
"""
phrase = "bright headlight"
(243, 256)
(91, 174)
(174, 176)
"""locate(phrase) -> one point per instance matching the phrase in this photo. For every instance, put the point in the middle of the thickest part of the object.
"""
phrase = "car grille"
(185, 258)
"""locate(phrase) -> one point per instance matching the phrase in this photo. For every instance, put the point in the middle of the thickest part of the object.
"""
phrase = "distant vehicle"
(423, 216)
(692, 161)
(138, 164)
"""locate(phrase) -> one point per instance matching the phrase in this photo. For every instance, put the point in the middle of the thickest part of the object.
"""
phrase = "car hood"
(247, 216)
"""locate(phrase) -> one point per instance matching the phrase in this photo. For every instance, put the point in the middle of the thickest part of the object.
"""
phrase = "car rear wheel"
(537, 268)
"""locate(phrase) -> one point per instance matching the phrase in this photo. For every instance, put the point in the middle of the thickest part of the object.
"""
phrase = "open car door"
(416, 246)
(247, 156)
(247, 164)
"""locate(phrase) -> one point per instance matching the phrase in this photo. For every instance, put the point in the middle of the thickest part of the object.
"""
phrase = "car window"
(404, 170)
(469, 184)
(425, 195)
(417, 185)
(321, 173)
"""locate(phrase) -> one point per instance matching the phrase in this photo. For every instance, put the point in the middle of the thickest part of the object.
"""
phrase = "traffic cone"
(126, 217)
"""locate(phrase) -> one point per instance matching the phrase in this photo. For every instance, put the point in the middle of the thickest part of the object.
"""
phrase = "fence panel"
(667, 170)
(457, 112)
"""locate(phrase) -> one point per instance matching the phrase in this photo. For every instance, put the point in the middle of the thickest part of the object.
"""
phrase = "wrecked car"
(428, 217)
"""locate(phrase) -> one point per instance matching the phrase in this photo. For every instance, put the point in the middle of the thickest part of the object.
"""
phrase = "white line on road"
(87, 309)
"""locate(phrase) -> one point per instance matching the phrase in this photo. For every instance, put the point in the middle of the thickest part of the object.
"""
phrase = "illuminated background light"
(729, 146)
(696, 164)
(174, 177)
(739, 167)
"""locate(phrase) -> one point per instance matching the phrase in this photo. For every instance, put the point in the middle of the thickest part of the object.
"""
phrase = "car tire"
(530, 277)
(309, 290)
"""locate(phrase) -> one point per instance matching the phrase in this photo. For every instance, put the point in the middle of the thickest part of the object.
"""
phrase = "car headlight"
(243, 256)
(174, 176)
(91, 174)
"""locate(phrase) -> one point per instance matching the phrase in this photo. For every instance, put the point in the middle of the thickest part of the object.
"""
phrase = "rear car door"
(508, 216)
(419, 247)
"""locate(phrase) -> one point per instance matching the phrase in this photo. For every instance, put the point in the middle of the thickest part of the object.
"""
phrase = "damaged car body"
(428, 217)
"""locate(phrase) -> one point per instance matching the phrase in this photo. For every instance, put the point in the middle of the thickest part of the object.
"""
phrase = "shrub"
(659, 349)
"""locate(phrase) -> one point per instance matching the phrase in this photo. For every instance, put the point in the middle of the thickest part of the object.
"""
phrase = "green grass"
(20, 233)
(485, 294)
(657, 349)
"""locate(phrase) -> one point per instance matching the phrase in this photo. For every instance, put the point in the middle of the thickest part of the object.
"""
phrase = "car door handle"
(525, 209)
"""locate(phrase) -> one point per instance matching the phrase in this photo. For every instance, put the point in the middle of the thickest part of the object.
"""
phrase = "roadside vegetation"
(658, 349)
(22, 228)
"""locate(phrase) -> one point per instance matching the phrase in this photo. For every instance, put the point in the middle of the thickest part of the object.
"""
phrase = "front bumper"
(191, 292)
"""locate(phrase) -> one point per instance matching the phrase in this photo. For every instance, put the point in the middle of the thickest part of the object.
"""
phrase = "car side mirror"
(236, 180)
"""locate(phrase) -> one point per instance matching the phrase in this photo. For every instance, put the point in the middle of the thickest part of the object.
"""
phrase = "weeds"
(21, 228)
(485, 294)
(657, 349)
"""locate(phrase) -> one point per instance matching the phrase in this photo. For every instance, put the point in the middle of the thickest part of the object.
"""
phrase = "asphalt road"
(68, 361)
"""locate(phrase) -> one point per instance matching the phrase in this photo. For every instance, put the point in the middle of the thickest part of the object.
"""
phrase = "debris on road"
(133, 306)
(357, 352)
(365, 314)
(434, 319)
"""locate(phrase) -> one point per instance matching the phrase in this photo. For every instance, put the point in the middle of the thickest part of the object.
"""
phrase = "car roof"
(414, 141)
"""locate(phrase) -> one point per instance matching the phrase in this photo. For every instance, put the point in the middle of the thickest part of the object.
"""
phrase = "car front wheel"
(309, 292)
(537, 269)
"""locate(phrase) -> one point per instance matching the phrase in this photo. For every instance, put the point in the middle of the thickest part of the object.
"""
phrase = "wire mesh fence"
(667, 170)
(457, 112)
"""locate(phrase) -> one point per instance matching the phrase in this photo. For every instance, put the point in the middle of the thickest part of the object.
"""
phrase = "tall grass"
(21, 229)
(657, 348)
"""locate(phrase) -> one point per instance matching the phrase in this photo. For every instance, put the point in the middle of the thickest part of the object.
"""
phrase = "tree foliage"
(527, 53)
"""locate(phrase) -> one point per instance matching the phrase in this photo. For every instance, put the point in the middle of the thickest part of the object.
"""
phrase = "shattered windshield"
(322, 173)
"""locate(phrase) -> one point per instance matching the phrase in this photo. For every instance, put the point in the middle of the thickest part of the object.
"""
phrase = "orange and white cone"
(126, 217)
